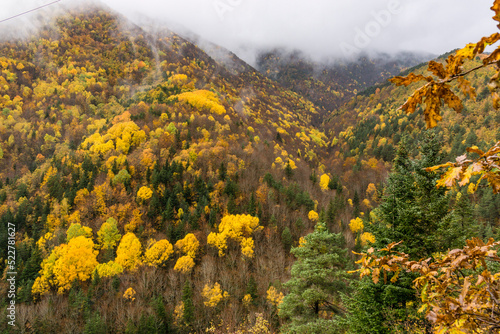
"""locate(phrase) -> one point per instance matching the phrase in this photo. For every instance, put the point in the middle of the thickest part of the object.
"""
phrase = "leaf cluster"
(459, 290)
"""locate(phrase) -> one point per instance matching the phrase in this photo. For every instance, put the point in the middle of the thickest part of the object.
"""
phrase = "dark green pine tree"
(318, 277)
(288, 170)
(95, 324)
(412, 211)
(333, 183)
(252, 205)
(168, 213)
(331, 213)
(222, 171)
(232, 209)
(313, 177)
(458, 226)
(187, 299)
(364, 312)
(355, 202)
(287, 238)
(212, 217)
(412, 206)
(252, 288)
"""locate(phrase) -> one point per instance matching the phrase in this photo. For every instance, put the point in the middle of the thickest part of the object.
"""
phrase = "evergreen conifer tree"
(187, 299)
(412, 207)
(414, 211)
(318, 277)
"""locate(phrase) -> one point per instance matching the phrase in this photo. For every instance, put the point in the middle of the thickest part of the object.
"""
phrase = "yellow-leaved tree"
(188, 246)
(356, 225)
(108, 269)
(128, 253)
(144, 193)
(324, 181)
(158, 253)
(313, 215)
(238, 228)
(108, 235)
(213, 295)
(75, 260)
(184, 264)
(76, 230)
(202, 99)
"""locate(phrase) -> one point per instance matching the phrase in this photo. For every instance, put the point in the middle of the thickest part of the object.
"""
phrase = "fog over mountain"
(322, 29)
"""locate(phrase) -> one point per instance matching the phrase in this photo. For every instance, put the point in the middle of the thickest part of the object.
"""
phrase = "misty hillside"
(156, 187)
(108, 128)
(332, 83)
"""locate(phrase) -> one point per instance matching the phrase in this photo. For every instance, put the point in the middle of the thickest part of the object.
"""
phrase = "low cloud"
(321, 29)
(324, 28)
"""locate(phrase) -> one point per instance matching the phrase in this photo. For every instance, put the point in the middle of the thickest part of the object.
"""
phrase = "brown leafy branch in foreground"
(437, 92)
(459, 290)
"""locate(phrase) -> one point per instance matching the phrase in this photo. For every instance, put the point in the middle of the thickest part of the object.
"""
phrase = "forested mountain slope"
(136, 169)
(329, 84)
(157, 189)
(371, 125)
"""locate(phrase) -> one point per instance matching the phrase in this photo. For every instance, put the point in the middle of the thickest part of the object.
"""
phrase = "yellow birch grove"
(128, 253)
(213, 295)
(238, 228)
(324, 181)
(108, 235)
(75, 260)
(188, 246)
(158, 253)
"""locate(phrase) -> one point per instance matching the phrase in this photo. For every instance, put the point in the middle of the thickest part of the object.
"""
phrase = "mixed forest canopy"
(154, 189)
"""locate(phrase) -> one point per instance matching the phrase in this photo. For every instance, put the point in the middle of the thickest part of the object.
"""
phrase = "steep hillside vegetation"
(149, 184)
(330, 84)
(371, 125)
(156, 189)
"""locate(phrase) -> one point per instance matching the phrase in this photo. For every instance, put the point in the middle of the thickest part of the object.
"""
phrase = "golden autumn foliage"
(371, 190)
(135, 222)
(123, 135)
(213, 295)
(66, 263)
(189, 245)
(238, 228)
(184, 264)
(108, 235)
(366, 203)
(202, 99)
(158, 253)
(44, 239)
(356, 225)
(247, 247)
(178, 313)
(247, 300)
(144, 193)
(313, 215)
(367, 238)
(274, 297)
(129, 294)
(128, 253)
(324, 181)
(108, 269)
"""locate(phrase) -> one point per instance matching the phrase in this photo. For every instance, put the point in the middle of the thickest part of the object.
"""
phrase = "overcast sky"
(321, 28)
